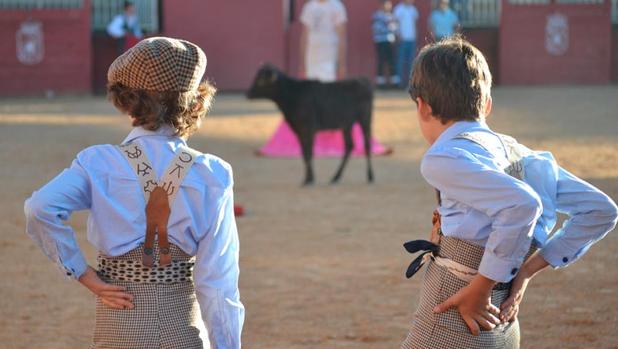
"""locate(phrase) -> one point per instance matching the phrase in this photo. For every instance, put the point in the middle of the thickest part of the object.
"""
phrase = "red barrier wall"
(525, 60)
(263, 34)
(257, 32)
(239, 37)
(487, 40)
(66, 64)
(614, 62)
(236, 35)
(103, 54)
(361, 53)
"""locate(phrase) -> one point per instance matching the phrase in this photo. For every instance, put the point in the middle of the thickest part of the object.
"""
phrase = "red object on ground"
(327, 144)
(239, 211)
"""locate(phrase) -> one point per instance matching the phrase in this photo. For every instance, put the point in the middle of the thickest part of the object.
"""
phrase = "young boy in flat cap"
(161, 213)
(496, 199)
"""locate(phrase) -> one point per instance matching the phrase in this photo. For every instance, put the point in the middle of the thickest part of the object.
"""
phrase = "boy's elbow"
(611, 212)
(531, 204)
(31, 207)
(35, 207)
(603, 211)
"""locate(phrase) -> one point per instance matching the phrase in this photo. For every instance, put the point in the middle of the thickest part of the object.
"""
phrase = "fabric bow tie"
(428, 248)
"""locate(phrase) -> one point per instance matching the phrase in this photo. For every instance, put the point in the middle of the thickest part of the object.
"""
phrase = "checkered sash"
(448, 330)
(166, 313)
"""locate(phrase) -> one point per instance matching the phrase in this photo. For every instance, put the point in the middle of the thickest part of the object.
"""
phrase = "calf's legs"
(306, 144)
(349, 145)
(366, 126)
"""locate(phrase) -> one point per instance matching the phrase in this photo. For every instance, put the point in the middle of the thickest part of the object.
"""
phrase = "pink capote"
(284, 143)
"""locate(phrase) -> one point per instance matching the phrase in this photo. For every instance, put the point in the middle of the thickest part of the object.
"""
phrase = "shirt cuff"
(498, 269)
(558, 254)
(75, 267)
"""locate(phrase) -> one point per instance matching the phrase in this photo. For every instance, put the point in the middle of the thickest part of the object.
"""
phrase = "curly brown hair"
(453, 77)
(152, 109)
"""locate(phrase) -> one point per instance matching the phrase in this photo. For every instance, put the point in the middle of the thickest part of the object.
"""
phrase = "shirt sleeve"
(340, 15)
(541, 173)
(592, 214)
(305, 14)
(397, 12)
(454, 18)
(216, 275)
(48, 209)
(116, 28)
(511, 204)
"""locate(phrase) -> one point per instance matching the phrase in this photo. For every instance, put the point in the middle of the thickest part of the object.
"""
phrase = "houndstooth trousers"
(166, 314)
(448, 330)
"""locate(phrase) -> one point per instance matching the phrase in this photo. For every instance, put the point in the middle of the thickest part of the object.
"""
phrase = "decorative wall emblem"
(557, 34)
(29, 40)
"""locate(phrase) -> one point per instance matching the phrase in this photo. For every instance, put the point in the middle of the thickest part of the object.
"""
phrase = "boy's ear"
(424, 109)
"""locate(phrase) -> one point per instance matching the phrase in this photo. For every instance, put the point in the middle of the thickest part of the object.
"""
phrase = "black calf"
(309, 106)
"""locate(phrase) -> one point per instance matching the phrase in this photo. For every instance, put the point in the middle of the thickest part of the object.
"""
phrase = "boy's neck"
(437, 129)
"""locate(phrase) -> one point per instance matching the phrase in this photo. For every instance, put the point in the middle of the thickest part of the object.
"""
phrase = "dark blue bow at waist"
(415, 246)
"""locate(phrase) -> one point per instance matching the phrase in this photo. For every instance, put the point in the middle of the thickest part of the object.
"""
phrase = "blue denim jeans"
(407, 52)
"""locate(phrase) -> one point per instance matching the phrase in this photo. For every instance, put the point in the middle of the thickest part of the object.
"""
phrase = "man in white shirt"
(407, 15)
(323, 40)
(125, 28)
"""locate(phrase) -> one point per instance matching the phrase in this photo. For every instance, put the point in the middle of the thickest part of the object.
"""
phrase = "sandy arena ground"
(322, 267)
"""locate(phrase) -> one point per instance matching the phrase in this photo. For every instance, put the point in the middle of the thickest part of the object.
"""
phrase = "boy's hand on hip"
(474, 304)
(510, 307)
(111, 295)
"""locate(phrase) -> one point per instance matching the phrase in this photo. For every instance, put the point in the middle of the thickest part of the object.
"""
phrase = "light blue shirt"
(201, 223)
(443, 23)
(407, 15)
(118, 27)
(487, 207)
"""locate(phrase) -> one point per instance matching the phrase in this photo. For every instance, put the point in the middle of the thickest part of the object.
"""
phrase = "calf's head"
(265, 83)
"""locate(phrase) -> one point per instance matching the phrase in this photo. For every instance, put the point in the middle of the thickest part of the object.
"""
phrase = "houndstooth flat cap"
(160, 64)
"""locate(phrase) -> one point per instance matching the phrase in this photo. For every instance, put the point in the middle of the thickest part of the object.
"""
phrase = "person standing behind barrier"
(443, 22)
(323, 40)
(407, 15)
(125, 28)
(384, 36)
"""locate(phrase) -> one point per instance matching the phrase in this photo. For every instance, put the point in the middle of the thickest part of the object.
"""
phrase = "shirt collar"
(455, 129)
(163, 131)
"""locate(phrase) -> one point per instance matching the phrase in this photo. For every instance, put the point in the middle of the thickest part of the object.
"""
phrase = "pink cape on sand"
(327, 144)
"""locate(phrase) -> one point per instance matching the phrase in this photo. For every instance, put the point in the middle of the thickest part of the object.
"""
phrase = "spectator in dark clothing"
(384, 36)
(125, 28)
